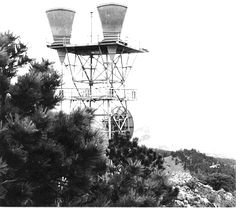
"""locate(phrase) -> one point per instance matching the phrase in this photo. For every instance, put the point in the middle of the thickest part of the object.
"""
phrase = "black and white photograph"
(118, 103)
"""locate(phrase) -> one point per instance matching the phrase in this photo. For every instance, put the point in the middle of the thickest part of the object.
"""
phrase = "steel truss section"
(99, 74)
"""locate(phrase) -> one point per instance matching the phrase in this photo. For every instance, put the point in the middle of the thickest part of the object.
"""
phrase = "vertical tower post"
(91, 35)
(91, 80)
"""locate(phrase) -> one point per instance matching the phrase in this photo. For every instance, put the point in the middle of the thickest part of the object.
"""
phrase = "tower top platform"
(101, 48)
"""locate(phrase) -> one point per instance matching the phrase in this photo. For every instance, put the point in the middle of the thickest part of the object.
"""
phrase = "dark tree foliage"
(134, 177)
(121, 149)
(84, 154)
(36, 88)
(221, 181)
(46, 158)
(12, 57)
(53, 164)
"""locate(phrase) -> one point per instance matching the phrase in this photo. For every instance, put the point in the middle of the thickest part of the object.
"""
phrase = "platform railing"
(98, 94)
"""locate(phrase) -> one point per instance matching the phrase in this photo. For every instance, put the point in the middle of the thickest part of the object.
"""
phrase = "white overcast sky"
(186, 83)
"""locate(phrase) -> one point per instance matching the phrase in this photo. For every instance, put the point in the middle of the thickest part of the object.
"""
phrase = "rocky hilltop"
(192, 192)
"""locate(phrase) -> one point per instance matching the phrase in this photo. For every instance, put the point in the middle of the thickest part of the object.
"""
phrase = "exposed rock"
(179, 178)
(204, 201)
(178, 203)
(193, 193)
(228, 196)
(181, 195)
(185, 201)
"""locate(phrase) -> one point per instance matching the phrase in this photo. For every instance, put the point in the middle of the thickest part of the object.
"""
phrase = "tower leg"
(109, 119)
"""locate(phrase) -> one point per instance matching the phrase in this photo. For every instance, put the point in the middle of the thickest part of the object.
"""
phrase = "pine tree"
(12, 57)
(46, 158)
(134, 177)
(121, 149)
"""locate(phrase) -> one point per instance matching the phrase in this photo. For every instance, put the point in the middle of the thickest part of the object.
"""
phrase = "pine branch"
(9, 181)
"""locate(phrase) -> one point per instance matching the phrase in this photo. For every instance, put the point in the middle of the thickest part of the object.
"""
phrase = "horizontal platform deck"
(96, 49)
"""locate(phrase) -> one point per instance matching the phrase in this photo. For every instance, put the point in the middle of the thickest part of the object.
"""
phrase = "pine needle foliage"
(134, 177)
(46, 158)
(13, 56)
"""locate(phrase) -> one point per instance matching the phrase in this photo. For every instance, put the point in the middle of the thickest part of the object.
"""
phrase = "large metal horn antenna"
(112, 18)
(61, 21)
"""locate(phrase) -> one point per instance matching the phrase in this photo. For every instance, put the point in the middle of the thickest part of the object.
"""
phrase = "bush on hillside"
(221, 181)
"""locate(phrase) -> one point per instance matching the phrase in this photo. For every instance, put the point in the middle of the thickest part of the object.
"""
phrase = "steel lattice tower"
(98, 71)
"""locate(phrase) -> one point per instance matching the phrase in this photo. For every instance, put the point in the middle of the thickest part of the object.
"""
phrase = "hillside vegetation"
(195, 192)
(217, 172)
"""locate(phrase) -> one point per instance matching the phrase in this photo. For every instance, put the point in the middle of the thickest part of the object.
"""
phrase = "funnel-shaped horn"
(61, 21)
(112, 18)
(61, 55)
